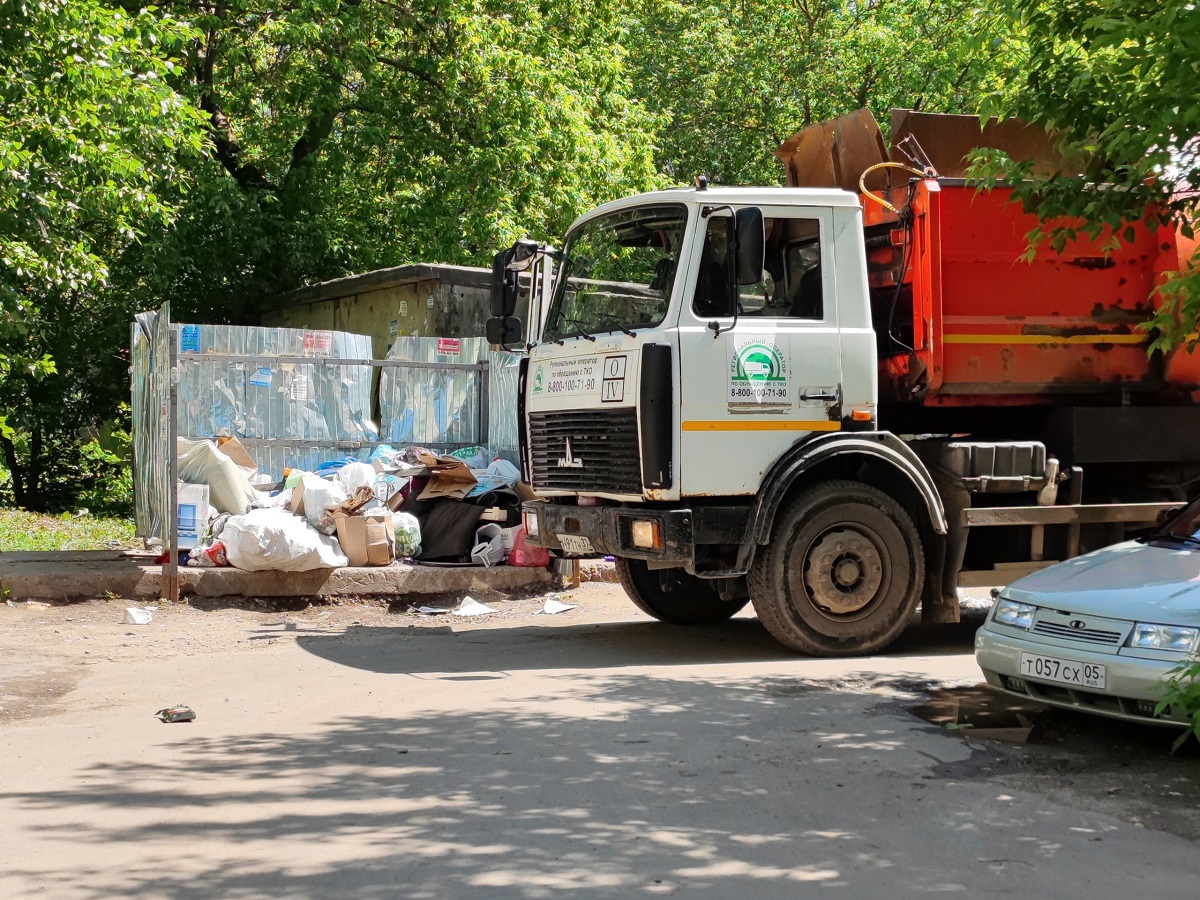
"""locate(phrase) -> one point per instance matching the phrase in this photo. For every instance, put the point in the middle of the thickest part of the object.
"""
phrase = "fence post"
(171, 566)
(485, 404)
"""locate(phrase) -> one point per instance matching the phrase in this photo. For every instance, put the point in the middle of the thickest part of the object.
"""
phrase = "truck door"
(772, 375)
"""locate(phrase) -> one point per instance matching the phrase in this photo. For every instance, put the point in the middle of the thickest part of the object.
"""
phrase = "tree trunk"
(15, 470)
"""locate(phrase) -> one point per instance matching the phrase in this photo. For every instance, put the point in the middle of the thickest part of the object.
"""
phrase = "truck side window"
(791, 284)
(713, 275)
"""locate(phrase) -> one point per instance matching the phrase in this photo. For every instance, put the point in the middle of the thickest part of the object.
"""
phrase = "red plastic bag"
(525, 556)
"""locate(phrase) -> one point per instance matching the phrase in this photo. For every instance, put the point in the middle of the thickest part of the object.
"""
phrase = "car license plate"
(573, 543)
(1064, 671)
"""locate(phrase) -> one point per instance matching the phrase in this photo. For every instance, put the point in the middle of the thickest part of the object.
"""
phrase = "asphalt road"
(594, 754)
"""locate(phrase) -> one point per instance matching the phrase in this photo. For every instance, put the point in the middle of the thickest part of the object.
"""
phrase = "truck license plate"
(1064, 671)
(573, 543)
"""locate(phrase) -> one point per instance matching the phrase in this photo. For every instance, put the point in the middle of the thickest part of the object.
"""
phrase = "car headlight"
(1164, 637)
(1018, 615)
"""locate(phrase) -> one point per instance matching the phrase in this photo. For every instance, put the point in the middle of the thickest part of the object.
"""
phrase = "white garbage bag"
(352, 476)
(271, 539)
(200, 462)
(319, 495)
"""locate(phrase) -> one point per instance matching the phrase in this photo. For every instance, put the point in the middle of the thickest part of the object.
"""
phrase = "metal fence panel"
(150, 337)
(433, 406)
(288, 414)
(502, 382)
(257, 384)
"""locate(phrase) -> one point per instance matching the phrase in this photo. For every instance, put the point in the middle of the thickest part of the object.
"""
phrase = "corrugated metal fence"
(296, 398)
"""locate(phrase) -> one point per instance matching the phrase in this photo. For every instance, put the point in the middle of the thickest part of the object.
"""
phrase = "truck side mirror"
(504, 331)
(751, 245)
(504, 285)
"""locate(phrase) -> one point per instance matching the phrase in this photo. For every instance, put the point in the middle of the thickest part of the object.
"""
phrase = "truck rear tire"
(690, 601)
(842, 573)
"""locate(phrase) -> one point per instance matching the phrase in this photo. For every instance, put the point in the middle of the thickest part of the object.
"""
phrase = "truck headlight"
(1017, 615)
(1164, 637)
(529, 518)
(646, 534)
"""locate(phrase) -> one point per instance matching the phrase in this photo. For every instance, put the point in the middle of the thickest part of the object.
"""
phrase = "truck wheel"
(690, 601)
(842, 573)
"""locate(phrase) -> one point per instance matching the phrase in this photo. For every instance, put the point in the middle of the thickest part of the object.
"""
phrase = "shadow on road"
(605, 786)
(586, 646)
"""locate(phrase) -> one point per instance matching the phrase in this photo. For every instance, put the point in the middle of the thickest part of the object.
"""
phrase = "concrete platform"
(86, 574)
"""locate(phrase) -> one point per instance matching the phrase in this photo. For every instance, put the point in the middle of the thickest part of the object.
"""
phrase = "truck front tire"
(690, 600)
(842, 573)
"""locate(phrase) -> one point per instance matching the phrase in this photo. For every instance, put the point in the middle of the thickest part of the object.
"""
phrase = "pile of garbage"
(407, 504)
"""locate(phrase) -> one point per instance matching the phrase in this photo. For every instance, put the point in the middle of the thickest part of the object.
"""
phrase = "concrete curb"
(88, 574)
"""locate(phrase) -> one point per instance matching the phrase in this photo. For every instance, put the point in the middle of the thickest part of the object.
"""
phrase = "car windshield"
(1183, 526)
(617, 272)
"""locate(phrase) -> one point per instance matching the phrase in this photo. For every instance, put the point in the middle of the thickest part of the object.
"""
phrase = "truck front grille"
(603, 447)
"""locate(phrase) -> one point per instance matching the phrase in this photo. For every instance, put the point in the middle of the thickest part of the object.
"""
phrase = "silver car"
(1098, 633)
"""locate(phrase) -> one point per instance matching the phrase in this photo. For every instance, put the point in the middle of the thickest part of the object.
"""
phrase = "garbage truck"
(846, 398)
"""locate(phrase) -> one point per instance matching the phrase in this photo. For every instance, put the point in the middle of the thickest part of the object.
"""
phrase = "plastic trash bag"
(229, 490)
(500, 474)
(474, 457)
(489, 546)
(354, 475)
(319, 497)
(524, 555)
(408, 535)
(271, 539)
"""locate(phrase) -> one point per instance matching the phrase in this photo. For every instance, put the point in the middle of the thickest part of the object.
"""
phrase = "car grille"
(1079, 635)
(605, 441)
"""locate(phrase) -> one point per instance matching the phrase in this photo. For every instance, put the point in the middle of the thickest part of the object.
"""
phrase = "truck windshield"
(617, 271)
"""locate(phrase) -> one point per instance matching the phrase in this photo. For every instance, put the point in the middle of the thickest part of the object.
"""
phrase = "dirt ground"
(1123, 771)
(46, 648)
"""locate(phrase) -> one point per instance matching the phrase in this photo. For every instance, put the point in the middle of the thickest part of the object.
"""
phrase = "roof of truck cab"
(734, 196)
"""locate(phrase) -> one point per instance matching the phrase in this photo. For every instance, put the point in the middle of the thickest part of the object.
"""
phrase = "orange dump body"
(974, 323)
(977, 324)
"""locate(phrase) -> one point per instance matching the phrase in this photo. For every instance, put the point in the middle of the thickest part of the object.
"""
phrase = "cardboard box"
(193, 514)
(366, 540)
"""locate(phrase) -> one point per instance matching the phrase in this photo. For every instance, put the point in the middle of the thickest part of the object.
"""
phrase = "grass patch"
(20, 530)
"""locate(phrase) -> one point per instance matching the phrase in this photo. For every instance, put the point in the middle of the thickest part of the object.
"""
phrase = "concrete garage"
(422, 300)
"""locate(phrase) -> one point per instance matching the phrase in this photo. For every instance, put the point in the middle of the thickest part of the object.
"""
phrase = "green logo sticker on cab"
(759, 374)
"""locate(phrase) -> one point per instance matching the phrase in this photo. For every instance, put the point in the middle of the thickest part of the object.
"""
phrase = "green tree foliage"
(350, 135)
(733, 80)
(1116, 79)
(217, 152)
(91, 137)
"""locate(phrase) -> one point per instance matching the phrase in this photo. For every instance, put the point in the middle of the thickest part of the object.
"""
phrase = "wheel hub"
(844, 571)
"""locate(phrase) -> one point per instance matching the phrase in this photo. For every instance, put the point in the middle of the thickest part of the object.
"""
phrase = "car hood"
(1126, 581)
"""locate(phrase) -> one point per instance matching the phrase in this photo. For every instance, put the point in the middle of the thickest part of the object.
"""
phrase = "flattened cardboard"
(448, 477)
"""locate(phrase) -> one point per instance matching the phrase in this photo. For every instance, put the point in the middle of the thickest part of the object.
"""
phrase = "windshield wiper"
(1186, 538)
(580, 332)
(614, 320)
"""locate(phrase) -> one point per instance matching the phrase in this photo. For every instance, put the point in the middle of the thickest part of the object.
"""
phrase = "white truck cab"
(743, 383)
(700, 349)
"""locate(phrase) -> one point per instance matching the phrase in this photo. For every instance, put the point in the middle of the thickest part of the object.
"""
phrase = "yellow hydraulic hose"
(862, 181)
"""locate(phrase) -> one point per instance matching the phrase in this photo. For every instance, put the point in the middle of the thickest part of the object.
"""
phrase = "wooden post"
(171, 566)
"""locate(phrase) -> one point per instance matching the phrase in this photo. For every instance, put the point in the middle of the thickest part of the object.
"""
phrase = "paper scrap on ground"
(429, 610)
(472, 607)
(135, 616)
(553, 607)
